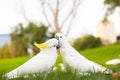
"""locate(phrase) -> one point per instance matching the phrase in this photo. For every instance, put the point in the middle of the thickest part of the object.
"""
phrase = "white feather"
(42, 62)
(75, 60)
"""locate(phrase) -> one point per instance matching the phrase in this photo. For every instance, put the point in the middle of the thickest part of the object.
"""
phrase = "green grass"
(9, 64)
(98, 55)
(65, 75)
(102, 54)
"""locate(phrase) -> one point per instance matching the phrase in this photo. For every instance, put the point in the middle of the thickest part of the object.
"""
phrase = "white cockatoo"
(74, 59)
(42, 62)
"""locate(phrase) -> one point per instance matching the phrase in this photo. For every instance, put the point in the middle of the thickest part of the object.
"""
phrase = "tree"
(18, 37)
(113, 4)
(86, 42)
(4, 52)
(57, 12)
(13, 50)
(61, 13)
(23, 38)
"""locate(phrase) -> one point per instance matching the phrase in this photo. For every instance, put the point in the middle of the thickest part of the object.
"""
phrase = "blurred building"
(106, 32)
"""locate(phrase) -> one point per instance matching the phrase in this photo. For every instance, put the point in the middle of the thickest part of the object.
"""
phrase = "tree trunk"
(57, 27)
(56, 23)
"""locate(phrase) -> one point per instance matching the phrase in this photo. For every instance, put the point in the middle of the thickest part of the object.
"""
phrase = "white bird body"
(79, 62)
(42, 62)
(74, 59)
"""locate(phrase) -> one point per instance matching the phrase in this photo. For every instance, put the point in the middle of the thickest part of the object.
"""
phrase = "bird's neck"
(66, 49)
(65, 45)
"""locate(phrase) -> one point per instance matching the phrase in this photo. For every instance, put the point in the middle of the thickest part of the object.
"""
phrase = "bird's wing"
(77, 61)
(38, 63)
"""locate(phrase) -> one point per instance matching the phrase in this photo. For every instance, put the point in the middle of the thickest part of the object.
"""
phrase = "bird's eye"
(54, 46)
(60, 36)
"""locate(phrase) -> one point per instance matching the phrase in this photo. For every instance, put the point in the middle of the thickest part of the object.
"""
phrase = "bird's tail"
(10, 75)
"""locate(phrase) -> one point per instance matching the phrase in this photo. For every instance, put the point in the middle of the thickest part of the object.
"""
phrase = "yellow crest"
(43, 45)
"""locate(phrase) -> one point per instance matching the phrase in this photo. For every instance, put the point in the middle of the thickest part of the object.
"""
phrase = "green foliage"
(36, 33)
(112, 5)
(12, 48)
(86, 42)
(4, 52)
(8, 51)
(25, 37)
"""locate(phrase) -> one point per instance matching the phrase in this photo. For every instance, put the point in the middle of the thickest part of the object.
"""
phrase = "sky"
(90, 13)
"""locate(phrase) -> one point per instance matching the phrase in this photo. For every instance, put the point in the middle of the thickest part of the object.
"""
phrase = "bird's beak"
(58, 46)
(57, 37)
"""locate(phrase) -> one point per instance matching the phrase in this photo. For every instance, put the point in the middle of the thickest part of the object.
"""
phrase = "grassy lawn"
(9, 64)
(62, 75)
(98, 55)
(102, 54)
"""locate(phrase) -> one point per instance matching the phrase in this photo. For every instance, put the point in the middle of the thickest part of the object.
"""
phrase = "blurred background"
(90, 24)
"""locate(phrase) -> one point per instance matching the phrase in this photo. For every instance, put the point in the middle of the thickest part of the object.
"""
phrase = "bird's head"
(61, 38)
(51, 43)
